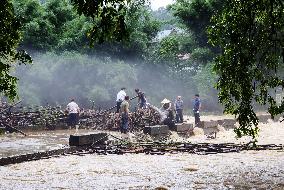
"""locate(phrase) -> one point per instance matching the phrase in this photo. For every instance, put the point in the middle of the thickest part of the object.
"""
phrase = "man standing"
(196, 109)
(179, 109)
(141, 98)
(124, 110)
(73, 113)
(119, 98)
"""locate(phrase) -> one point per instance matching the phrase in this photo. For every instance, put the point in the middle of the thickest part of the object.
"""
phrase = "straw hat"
(165, 101)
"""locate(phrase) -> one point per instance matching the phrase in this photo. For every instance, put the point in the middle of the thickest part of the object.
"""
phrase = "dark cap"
(197, 95)
(123, 88)
(126, 98)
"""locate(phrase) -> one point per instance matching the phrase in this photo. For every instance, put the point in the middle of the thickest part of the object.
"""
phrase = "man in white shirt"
(73, 113)
(119, 98)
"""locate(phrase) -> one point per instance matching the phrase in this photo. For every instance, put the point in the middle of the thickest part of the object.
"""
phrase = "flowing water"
(244, 170)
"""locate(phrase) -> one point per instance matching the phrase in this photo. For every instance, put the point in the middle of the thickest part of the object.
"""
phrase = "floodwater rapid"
(244, 170)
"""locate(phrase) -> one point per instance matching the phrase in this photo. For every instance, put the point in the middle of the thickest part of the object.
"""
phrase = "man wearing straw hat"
(165, 112)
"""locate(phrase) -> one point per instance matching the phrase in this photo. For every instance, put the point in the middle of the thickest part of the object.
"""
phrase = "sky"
(155, 4)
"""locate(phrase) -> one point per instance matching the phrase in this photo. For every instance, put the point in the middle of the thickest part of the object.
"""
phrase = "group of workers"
(167, 111)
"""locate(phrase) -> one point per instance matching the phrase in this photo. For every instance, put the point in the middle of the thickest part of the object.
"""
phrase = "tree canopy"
(251, 36)
(196, 14)
(108, 16)
(10, 37)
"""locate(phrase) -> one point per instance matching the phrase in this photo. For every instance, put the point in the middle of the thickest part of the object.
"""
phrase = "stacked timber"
(54, 117)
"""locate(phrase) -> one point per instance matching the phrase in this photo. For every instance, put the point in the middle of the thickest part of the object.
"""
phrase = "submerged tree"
(9, 39)
(251, 36)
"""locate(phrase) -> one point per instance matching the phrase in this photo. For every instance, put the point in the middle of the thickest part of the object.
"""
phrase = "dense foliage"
(196, 14)
(9, 38)
(64, 30)
(108, 16)
(249, 68)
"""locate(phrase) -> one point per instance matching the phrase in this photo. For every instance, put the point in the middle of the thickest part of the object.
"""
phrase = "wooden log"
(263, 118)
(182, 127)
(209, 124)
(227, 122)
(13, 129)
(156, 130)
(88, 139)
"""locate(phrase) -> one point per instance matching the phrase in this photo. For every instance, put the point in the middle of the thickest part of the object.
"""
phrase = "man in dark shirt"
(196, 109)
(141, 98)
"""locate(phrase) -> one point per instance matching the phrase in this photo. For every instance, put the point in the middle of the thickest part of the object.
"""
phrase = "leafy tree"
(205, 80)
(251, 35)
(55, 19)
(73, 36)
(196, 14)
(108, 16)
(168, 21)
(10, 37)
(142, 28)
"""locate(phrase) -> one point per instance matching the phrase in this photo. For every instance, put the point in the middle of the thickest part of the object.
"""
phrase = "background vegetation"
(64, 64)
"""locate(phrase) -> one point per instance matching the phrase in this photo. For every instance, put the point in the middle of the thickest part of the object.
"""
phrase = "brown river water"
(244, 170)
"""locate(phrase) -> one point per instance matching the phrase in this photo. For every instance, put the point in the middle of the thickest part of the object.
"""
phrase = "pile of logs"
(53, 117)
(24, 117)
(111, 121)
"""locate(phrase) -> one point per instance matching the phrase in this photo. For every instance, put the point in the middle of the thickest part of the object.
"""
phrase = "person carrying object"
(141, 98)
(119, 98)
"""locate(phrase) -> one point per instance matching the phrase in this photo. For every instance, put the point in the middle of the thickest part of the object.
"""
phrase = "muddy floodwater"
(244, 170)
